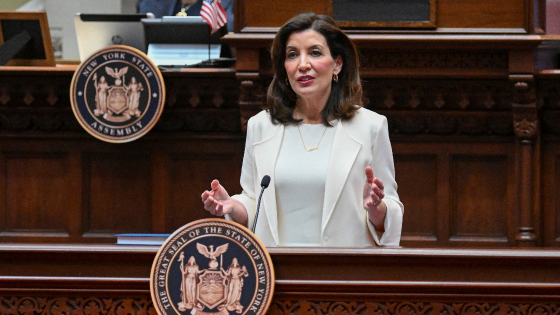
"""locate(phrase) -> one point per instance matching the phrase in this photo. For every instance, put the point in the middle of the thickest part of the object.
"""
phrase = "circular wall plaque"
(117, 94)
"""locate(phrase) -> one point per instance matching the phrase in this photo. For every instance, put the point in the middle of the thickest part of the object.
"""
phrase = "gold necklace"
(315, 147)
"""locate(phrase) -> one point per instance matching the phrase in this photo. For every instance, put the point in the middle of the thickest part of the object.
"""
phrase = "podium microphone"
(264, 183)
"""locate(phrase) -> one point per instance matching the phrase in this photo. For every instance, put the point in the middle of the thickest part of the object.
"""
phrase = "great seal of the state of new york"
(212, 267)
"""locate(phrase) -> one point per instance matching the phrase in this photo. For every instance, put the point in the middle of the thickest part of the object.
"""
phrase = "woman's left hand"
(373, 199)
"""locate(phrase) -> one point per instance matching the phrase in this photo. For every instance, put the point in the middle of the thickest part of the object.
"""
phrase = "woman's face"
(309, 64)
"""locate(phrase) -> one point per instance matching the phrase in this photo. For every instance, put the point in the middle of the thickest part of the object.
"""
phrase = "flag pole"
(209, 40)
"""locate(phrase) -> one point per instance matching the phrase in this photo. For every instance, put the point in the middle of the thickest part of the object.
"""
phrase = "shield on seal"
(117, 99)
(211, 290)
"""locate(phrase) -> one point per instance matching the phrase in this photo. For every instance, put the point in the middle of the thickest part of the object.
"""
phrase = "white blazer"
(358, 142)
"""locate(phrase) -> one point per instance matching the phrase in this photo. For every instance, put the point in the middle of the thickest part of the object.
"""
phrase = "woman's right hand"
(218, 202)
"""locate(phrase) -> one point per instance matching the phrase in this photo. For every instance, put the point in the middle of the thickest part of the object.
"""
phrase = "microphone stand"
(264, 184)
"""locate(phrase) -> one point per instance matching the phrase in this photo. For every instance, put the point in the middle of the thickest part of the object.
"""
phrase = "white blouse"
(300, 183)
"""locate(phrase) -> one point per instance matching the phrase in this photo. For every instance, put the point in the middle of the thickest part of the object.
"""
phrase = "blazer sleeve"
(248, 170)
(384, 168)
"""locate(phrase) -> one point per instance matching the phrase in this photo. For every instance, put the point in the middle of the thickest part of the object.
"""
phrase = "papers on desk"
(141, 239)
(182, 54)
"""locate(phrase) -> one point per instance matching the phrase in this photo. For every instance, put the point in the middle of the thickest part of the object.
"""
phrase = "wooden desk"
(110, 279)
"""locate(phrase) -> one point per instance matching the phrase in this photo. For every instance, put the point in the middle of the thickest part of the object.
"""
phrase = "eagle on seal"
(211, 253)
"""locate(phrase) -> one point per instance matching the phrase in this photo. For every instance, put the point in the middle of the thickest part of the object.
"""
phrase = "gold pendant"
(311, 149)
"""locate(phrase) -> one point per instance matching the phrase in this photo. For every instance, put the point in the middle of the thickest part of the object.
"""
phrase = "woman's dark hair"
(346, 94)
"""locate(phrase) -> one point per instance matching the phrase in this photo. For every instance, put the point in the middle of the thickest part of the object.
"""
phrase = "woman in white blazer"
(329, 160)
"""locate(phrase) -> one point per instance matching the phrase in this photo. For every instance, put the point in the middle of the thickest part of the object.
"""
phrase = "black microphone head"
(265, 181)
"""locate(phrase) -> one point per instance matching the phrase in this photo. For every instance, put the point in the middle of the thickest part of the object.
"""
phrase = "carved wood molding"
(524, 106)
(304, 307)
(193, 105)
(452, 59)
(439, 123)
(251, 98)
(438, 94)
(31, 305)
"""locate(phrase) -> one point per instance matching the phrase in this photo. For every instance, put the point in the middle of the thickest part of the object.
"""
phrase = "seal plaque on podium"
(117, 94)
(212, 267)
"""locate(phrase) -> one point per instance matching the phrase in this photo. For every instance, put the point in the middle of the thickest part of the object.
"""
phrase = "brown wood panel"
(117, 193)
(478, 14)
(445, 126)
(551, 198)
(479, 209)
(94, 279)
(276, 13)
(456, 194)
(482, 14)
(190, 173)
(416, 176)
(35, 182)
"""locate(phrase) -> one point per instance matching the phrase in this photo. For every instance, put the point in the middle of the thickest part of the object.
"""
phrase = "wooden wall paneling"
(191, 172)
(117, 193)
(36, 183)
(3, 191)
(537, 16)
(550, 196)
(75, 195)
(262, 16)
(422, 62)
(548, 93)
(527, 131)
(460, 196)
(52, 186)
(417, 177)
(160, 186)
(479, 207)
(510, 16)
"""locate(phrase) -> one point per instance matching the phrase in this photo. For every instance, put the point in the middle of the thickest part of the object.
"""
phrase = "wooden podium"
(114, 280)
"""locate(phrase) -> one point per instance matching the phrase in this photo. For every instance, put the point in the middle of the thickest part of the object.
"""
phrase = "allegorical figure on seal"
(133, 89)
(235, 274)
(190, 273)
(101, 89)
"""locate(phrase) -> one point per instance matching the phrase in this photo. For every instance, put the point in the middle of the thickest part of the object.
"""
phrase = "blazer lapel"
(266, 154)
(344, 151)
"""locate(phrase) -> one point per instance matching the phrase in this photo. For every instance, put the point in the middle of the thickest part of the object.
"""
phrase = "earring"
(335, 77)
(287, 82)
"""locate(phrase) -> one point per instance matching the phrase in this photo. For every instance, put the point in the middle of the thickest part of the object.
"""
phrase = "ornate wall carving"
(415, 59)
(31, 305)
(304, 307)
(192, 105)
(28, 305)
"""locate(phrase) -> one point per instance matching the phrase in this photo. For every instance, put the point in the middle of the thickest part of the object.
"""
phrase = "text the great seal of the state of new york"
(212, 267)
(117, 94)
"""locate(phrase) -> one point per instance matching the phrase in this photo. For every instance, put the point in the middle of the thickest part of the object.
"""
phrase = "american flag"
(213, 13)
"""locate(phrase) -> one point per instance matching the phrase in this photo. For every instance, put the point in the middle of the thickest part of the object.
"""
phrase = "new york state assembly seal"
(212, 267)
(117, 94)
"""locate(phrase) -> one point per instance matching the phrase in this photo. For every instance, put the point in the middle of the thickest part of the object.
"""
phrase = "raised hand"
(373, 199)
(217, 201)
